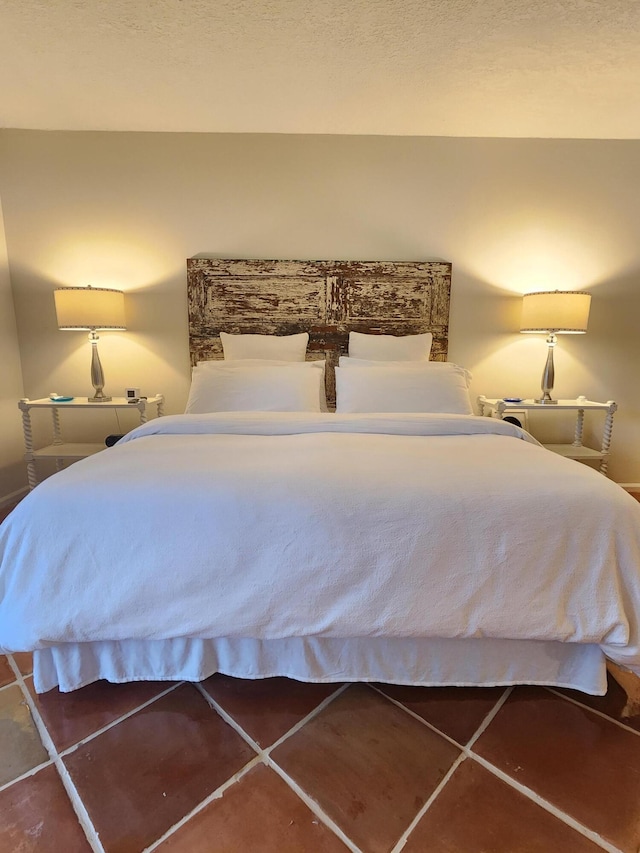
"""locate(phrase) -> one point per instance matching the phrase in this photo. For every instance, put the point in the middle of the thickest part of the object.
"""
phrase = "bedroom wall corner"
(13, 477)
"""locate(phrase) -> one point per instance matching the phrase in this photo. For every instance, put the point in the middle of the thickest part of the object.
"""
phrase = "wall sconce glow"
(554, 312)
(91, 309)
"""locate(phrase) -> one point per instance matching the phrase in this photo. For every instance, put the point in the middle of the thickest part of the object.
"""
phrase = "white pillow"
(217, 364)
(255, 389)
(346, 361)
(390, 347)
(271, 347)
(402, 389)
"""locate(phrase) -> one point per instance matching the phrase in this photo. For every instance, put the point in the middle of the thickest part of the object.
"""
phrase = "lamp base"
(99, 399)
(544, 402)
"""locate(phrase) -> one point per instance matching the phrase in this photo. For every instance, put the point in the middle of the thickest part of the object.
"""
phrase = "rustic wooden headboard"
(328, 299)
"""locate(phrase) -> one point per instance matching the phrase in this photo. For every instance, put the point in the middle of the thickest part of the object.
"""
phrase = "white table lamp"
(554, 312)
(92, 309)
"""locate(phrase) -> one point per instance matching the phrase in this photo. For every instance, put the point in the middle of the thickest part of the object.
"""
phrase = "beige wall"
(127, 209)
(12, 468)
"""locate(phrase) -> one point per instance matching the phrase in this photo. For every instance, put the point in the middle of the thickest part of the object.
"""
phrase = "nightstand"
(576, 450)
(61, 450)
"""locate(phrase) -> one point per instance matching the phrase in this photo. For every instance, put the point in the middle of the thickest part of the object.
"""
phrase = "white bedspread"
(273, 526)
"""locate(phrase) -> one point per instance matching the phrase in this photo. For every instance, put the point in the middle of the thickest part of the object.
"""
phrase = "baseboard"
(13, 497)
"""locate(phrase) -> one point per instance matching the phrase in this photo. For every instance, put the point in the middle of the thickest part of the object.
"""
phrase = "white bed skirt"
(423, 662)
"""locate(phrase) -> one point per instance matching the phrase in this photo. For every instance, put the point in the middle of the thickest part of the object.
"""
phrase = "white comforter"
(276, 525)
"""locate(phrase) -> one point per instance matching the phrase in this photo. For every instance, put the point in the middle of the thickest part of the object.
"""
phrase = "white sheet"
(276, 526)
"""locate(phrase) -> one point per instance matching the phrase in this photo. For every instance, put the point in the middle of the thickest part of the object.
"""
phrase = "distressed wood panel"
(328, 299)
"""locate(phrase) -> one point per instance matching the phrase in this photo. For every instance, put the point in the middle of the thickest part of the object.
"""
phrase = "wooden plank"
(328, 299)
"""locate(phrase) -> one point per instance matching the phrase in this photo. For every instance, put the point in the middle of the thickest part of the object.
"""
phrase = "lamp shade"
(89, 308)
(560, 311)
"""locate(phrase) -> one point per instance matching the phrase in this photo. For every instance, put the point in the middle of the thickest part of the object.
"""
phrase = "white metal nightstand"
(575, 450)
(61, 450)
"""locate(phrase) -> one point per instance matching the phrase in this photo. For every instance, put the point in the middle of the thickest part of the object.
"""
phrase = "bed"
(419, 548)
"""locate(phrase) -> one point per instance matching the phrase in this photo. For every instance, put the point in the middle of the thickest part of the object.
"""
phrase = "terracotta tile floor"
(283, 767)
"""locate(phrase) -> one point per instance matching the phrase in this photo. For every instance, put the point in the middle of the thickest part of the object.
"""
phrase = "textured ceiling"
(545, 68)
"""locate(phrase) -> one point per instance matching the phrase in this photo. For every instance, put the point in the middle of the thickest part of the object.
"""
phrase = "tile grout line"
(72, 792)
(77, 802)
(490, 717)
(238, 728)
(311, 804)
(38, 722)
(469, 753)
(532, 795)
(26, 774)
(64, 752)
(464, 754)
(69, 749)
(214, 795)
(79, 807)
(314, 807)
(421, 813)
(580, 704)
(56, 757)
(265, 755)
(415, 716)
(215, 706)
(7, 686)
(314, 713)
(90, 832)
(545, 804)
(16, 671)
(486, 720)
(262, 757)
(293, 785)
